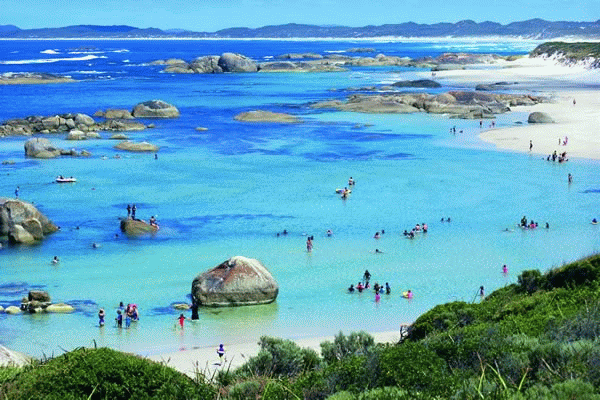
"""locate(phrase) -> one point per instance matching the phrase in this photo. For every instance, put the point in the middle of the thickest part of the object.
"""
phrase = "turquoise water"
(227, 191)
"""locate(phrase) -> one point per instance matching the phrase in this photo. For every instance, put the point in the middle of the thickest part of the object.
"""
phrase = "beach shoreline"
(574, 106)
(205, 359)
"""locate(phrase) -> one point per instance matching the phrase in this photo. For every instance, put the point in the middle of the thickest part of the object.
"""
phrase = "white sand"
(579, 122)
(206, 360)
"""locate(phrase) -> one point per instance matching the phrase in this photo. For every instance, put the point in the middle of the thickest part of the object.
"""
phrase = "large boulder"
(112, 113)
(232, 62)
(41, 148)
(21, 222)
(137, 227)
(137, 146)
(539, 118)
(38, 295)
(155, 109)
(206, 65)
(236, 282)
(419, 83)
(10, 358)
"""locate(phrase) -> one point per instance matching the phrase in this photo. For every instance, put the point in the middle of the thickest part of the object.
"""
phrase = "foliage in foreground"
(537, 339)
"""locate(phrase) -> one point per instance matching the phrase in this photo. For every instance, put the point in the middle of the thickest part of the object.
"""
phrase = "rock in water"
(136, 227)
(238, 281)
(232, 62)
(266, 116)
(137, 146)
(22, 222)
(539, 118)
(41, 148)
(38, 295)
(155, 109)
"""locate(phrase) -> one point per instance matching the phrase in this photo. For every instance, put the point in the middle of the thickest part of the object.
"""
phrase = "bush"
(357, 343)
(245, 390)
(579, 273)
(442, 318)
(568, 390)
(531, 281)
(280, 358)
(102, 374)
(413, 367)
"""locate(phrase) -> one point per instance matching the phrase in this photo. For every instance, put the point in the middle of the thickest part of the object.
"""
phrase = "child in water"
(101, 315)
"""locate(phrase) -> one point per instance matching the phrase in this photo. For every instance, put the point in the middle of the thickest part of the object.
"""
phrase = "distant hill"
(531, 29)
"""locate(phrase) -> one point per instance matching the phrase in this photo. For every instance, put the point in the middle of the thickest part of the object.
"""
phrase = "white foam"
(335, 51)
(49, 60)
(121, 51)
(49, 51)
(87, 52)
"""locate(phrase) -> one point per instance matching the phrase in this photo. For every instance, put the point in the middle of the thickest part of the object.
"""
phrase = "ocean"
(229, 190)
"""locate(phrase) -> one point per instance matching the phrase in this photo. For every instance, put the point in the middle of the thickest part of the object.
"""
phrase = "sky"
(212, 15)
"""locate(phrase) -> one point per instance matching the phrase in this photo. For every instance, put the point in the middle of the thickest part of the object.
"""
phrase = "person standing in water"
(481, 292)
(181, 319)
(101, 315)
(309, 244)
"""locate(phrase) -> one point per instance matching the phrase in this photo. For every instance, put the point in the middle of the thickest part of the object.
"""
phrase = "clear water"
(227, 191)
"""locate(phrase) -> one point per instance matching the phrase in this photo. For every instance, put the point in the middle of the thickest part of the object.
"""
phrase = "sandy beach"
(579, 122)
(206, 360)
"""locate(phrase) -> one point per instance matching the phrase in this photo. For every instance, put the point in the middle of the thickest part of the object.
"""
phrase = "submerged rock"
(236, 282)
(266, 116)
(137, 146)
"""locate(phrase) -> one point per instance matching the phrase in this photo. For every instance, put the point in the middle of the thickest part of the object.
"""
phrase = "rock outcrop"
(236, 282)
(419, 83)
(21, 222)
(537, 117)
(10, 358)
(137, 227)
(233, 62)
(266, 116)
(76, 134)
(41, 148)
(114, 113)
(28, 78)
(137, 146)
(155, 109)
(299, 56)
(457, 104)
(64, 123)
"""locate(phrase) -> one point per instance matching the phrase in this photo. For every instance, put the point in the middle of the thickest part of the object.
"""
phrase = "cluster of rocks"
(27, 78)
(235, 282)
(22, 222)
(457, 104)
(83, 125)
(418, 83)
(136, 227)
(43, 148)
(38, 302)
(313, 62)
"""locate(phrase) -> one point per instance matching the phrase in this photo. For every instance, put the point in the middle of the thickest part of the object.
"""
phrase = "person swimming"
(55, 260)
(377, 235)
(351, 288)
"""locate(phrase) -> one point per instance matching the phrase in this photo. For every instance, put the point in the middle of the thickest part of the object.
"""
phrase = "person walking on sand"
(221, 352)
(530, 145)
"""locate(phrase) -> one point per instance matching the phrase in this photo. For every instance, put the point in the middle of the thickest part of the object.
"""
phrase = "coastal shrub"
(7, 373)
(530, 281)
(350, 373)
(414, 367)
(567, 390)
(356, 343)
(249, 389)
(102, 374)
(584, 272)
(343, 395)
(280, 358)
(583, 325)
(441, 318)
(311, 385)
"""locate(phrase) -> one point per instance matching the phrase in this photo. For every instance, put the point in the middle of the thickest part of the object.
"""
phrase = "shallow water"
(228, 190)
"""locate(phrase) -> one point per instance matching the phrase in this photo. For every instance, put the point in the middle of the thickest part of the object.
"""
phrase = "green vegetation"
(571, 51)
(536, 339)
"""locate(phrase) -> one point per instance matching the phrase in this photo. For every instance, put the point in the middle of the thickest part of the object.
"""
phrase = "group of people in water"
(129, 313)
(419, 228)
(364, 284)
(555, 156)
(531, 224)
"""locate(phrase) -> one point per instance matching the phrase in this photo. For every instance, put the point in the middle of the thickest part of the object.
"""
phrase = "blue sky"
(211, 15)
